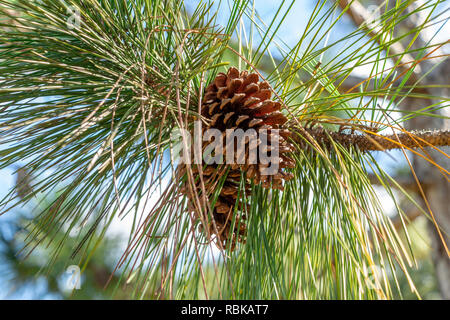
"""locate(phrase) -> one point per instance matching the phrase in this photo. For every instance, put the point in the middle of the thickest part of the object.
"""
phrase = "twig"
(365, 143)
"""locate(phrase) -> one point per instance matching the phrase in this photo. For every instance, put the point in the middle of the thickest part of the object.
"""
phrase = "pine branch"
(371, 142)
(364, 19)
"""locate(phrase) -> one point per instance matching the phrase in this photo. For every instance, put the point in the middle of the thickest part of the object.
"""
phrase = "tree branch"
(371, 142)
(362, 19)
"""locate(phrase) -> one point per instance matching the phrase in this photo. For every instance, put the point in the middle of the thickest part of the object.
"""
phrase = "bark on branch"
(371, 142)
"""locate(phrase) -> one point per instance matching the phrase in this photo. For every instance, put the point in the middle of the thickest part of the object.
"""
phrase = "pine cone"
(238, 100)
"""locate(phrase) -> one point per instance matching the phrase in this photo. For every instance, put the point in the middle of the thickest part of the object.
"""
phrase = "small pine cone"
(238, 100)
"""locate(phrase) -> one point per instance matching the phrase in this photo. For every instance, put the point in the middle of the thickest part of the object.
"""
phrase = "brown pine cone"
(238, 100)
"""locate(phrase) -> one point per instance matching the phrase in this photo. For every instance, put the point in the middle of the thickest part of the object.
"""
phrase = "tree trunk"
(436, 188)
(435, 184)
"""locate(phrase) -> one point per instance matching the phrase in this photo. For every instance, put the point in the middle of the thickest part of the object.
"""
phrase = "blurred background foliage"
(31, 278)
